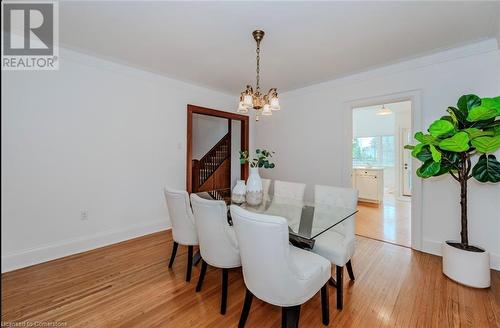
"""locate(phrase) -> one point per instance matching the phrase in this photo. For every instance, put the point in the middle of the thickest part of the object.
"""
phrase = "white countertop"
(368, 168)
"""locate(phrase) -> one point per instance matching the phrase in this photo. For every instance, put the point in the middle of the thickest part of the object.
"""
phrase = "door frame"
(416, 125)
(244, 141)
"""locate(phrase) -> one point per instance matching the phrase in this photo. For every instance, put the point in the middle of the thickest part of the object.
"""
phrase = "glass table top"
(305, 219)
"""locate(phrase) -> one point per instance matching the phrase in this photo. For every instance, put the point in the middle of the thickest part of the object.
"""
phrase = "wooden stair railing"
(208, 164)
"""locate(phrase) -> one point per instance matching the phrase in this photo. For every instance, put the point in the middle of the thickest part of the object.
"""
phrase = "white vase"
(254, 187)
(466, 267)
(239, 191)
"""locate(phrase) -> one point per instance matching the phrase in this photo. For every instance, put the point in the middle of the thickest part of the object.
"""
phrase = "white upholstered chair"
(183, 230)
(275, 271)
(218, 245)
(289, 190)
(337, 244)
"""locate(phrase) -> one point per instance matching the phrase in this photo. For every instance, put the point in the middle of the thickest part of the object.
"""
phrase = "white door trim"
(416, 113)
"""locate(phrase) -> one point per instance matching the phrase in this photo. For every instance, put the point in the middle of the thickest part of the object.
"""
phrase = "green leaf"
(425, 154)
(489, 108)
(416, 149)
(486, 144)
(467, 102)
(458, 143)
(495, 130)
(487, 169)
(421, 152)
(457, 115)
(481, 113)
(449, 119)
(428, 169)
(443, 170)
(411, 147)
(449, 158)
(426, 138)
(440, 128)
(436, 155)
(474, 133)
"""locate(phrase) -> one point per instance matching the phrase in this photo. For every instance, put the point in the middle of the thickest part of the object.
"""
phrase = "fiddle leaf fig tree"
(470, 129)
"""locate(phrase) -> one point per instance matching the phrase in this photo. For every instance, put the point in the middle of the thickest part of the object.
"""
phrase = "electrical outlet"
(84, 214)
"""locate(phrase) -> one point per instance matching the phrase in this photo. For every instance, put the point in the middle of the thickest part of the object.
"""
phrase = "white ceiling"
(210, 44)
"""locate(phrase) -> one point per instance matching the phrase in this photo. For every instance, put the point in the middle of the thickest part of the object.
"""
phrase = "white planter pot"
(466, 267)
(254, 187)
(239, 191)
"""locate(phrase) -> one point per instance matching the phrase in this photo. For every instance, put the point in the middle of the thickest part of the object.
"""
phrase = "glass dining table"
(306, 220)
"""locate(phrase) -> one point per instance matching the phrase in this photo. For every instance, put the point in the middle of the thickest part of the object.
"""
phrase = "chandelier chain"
(258, 66)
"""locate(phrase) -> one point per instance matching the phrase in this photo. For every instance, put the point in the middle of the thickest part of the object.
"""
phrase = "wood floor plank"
(129, 285)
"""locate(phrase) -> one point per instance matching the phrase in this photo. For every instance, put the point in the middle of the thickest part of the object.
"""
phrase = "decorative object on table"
(239, 191)
(254, 194)
(250, 98)
(470, 129)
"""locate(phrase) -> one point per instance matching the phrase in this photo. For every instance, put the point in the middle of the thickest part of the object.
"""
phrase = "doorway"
(382, 170)
(214, 139)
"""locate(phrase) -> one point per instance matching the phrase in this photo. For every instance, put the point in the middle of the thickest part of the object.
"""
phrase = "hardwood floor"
(129, 285)
(389, 221)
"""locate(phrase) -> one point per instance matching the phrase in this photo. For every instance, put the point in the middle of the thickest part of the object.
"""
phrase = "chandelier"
(264, 104)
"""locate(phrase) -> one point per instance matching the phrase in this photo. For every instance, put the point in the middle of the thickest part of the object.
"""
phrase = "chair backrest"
(290, 190)
(218, 244)
(266, 184)
(265, 252)
(338, 197)
(181, 217)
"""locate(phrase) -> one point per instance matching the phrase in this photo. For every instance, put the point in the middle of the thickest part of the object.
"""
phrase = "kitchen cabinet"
(370, 184)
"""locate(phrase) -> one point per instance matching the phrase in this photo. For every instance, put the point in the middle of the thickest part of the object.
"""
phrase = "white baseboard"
(64, 248)
(434, 247)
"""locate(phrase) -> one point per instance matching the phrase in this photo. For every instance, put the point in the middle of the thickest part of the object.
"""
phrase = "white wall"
(235, 149)
(94, 135)
(207, 131)
(309, 134)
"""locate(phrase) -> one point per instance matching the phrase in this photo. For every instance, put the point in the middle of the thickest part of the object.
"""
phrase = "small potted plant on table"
(469, 130)
(254, 193)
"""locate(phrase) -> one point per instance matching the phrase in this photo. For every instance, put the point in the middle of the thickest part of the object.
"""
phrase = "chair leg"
(340, 286)
(349, 270)
(332, 282)
(246, 309)
(172, 256)
(223, 300)
(190, 263)
(325, 305)
(196, 258)
(202, 275)
(290, 316)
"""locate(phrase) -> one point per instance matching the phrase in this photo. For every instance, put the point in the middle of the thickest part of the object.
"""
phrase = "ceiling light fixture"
(384, 111)
(250, 98)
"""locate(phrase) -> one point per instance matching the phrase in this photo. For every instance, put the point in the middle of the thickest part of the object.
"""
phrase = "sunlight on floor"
(389, 221)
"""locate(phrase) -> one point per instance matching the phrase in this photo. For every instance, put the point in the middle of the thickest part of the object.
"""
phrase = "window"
(377, 151)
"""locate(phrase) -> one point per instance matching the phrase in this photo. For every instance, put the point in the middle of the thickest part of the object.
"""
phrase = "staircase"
(213, 171)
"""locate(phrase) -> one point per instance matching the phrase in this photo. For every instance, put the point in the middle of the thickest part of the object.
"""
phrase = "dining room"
(194, 164)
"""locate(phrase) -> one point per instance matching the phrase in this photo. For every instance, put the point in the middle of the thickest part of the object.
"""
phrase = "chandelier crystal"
(264, 104)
